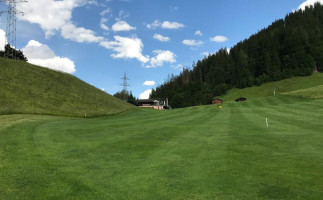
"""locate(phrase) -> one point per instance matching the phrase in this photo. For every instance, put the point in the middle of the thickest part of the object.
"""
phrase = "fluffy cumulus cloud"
(42, 55)
(125, 47)
(165, 25)
(161, 58)
(71, 32)
(149, 83)
(192, 42)
(2, 39)
(122, 26)
(51, 15)
(131, 48)
(198, 32)
(171, 25)
(309, 3)
(219, 38)
(161, 38)
(154, 25)
(55, 16)
(145, 94)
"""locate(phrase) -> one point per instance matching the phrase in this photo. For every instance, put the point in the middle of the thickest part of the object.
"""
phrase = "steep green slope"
(26, 88)
(282, 87)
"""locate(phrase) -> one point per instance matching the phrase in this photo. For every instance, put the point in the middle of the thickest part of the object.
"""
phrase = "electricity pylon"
(11, 26)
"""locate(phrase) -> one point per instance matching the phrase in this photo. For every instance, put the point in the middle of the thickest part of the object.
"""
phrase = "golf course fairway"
(204, 152)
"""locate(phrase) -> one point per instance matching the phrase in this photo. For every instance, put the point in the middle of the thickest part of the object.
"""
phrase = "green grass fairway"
(313, 93)
(193, 153)
(29, 89)
(283, 86)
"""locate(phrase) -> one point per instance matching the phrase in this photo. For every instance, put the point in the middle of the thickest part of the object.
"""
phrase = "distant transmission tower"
(125, 82)
(125, 86)
(11, 26)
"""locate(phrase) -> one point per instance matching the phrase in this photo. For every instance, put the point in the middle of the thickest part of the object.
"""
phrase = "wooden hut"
(217, 101)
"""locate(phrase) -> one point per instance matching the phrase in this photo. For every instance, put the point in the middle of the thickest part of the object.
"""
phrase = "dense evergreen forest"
(289, 47)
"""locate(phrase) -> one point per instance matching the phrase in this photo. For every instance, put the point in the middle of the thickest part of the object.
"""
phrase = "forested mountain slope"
(289, 47)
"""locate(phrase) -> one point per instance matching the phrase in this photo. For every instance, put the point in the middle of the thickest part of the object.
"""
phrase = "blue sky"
(99, 40)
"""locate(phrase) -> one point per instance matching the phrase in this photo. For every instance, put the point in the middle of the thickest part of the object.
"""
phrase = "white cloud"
(149, 83)
(105, 12)
(51, 15)
(122, 26)
(122, 15)
(2, 39)
(153, 25)
(165, 25)
(104, 27)
(69, 31)
(219, 38)
(42, 55)
(93, 2)
(131, 48)
(126, 48)
(54, 16)
(198, 32)
(34, 43)
(56, 63)
(103, 20)
(145, 94)
(192, 42)
(171, 25)
(161, 57)
(36, 50)
(309, 3)
(161, 38)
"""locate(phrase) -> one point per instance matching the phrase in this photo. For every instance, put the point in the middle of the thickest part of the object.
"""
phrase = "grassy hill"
(29, 89)
(202, 152)
(286, 86)
(313, 93)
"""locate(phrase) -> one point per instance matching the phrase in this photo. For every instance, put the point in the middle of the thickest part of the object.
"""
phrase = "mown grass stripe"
(195, 153)
(286, 116)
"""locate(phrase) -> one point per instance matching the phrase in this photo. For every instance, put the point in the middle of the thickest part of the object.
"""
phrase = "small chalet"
(241, 99)
(217, 101)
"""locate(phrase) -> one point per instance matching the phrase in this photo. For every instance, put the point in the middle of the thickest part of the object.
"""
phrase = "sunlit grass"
(194, 153)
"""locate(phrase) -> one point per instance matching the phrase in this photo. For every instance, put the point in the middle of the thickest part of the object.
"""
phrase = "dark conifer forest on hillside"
(288, 47)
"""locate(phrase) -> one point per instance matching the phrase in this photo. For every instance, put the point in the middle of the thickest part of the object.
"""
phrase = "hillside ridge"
(30, 89)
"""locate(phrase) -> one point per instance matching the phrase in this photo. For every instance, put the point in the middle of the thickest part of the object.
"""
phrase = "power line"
(11, 26)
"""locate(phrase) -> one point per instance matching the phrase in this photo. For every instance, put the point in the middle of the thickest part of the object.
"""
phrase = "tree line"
(126, 96)
(12, 53)
(289, 47)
